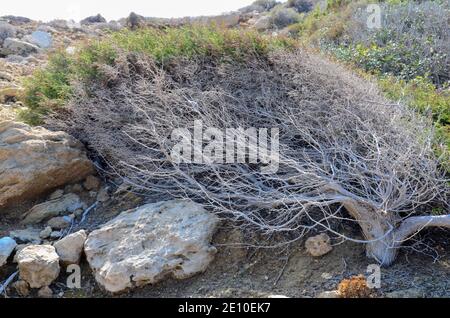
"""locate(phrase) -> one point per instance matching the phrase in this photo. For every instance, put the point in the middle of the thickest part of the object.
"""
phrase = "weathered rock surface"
(70, 248)
(10, 92)
(93, 19)
(36, 160)
(318, 245)
(406, 293)
(16, 46)
(45, 233)
(22, 288)
(60, 222)
(66, 204)
(263, 23)
(41, 39)
(29, 235)
(92, 183)
(7, 246)
(38, 265)
(144, 245)
(329, 294)
(45, 292)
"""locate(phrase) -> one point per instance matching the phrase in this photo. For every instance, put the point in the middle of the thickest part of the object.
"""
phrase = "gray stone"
(318, 245)
(7, 246)
(45, 292)
(45, 233)
(29, 235)
(62, 206)
(42, 39)
(60, 222)
(17, 47)
(406, 293)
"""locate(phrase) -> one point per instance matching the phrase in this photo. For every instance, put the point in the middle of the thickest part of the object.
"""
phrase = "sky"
(46, 10)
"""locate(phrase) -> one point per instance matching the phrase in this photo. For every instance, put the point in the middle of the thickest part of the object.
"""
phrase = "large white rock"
(38, 265)
(70, 248)
(145, 245)
(7, 246)
(34, 161)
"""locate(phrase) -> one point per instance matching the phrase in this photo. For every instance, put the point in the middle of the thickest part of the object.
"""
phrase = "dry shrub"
(341, 144)
(354, 287)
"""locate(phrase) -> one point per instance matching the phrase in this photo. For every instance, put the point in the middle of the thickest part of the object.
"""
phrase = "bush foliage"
(51, 87)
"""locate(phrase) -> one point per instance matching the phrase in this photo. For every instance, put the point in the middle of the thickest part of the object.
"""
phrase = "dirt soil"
(249, 272)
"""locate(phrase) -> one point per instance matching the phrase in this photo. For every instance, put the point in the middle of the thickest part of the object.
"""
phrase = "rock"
(5, 76)
(36, 160)
(56, 195)
(263, 23)
(93, 19)
(318, 245)
(45, 233)
(38, 265)
(55, 235)
(71, 50)
(103, 195)
(19, 47)
(7, 246)
(329, 294)
(92, 183)
(29, 235)
(60, 222)
(406, 293)
(75, 188)
(41, 39)
(225, 20)
(45, 292)
(22, 288)
(78, 213)
(46, 28)
(61, 206)
(135, 21)
(17, 250)
(70, 248)
(6, 31)
(10, 93)
(144, 245)
(16, 59)
(15, 20)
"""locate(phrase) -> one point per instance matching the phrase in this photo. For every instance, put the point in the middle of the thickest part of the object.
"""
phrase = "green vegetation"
(409, 55)
(51, 87)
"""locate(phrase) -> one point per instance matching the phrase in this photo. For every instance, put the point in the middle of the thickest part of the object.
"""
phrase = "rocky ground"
(55, 212)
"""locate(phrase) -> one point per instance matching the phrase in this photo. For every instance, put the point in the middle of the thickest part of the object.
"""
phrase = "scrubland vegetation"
(379, 152)
(409, 54)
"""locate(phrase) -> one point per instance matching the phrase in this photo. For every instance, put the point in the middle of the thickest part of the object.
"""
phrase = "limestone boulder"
(38, 265)
(34, 161)
(70, 248)
(147, 244)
